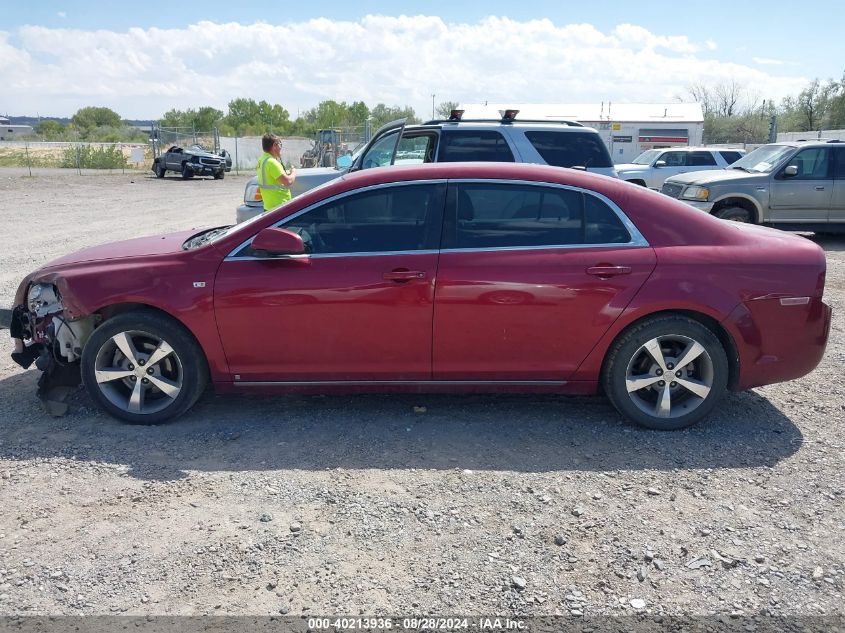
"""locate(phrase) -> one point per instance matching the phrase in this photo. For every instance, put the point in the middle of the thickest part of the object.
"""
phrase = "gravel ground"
(401, 504)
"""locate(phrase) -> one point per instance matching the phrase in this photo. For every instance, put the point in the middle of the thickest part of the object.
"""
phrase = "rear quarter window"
(570, 149)
(474, 145)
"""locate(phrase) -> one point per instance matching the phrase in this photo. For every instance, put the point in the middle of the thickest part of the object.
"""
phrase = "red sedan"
(441, 277)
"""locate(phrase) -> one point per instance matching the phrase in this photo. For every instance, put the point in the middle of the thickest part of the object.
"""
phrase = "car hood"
(138, 247)
(716, 175)
(630, 167)
(310, 177)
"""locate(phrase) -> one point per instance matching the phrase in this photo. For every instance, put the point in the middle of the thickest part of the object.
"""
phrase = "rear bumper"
(779, 342)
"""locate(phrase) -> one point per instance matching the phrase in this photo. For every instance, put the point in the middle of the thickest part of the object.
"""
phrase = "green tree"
(49, 129)
(382, 114)
(445, 109)
(242, 114)
(89, 118)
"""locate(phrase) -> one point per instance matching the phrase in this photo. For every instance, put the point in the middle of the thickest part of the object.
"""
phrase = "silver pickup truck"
(792, 186)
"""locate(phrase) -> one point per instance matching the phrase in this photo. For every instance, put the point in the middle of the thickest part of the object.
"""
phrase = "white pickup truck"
(653, 166)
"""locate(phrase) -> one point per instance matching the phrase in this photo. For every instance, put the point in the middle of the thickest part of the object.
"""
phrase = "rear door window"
(506, 216)
(474, 145)
(570, 149)
(839, 152)
(701, 159)
(731, 157)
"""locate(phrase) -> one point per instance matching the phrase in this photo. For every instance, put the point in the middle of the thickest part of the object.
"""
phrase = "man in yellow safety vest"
(273, 181)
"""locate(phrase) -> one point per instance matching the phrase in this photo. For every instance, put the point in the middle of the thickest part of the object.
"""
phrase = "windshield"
(646, 157)
(763, 159)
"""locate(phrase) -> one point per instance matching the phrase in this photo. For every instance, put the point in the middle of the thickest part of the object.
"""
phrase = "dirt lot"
(369, 504)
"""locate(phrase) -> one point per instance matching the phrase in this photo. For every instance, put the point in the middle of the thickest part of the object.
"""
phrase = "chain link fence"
(297, 151)
(35, 155)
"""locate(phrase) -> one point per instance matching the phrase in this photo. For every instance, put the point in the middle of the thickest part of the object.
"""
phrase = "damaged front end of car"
(52, 337)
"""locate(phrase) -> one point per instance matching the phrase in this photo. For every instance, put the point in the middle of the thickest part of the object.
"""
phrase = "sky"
(144, 59)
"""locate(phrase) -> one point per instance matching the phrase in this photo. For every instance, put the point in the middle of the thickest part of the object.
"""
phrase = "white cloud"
(763, 61)
(396, 60)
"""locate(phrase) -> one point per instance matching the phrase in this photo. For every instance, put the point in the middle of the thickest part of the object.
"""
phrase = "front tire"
(187, 172)
(219, 175)
(143, 368)
(734, 214)
(666, 373)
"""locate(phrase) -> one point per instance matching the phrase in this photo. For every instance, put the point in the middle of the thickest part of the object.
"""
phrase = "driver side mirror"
(660, 163)
(276, 241)
(791, 170)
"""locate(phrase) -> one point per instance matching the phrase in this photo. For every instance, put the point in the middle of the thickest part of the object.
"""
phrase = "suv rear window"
(474, 145)
(570, 149)
(731, 157)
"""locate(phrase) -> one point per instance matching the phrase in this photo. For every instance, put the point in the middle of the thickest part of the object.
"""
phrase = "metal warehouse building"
(627, 128)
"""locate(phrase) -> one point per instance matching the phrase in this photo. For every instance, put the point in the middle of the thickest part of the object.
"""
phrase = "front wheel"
(143, 368)
(666, 373)
(219, 175)
(187, 172)
(734, 214)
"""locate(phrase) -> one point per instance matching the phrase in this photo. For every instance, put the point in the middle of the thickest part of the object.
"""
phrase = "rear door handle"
(608, 271)
(819, 188)
(404, 275)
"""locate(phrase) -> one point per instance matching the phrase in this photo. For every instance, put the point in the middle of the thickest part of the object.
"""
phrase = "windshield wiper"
(739, 167)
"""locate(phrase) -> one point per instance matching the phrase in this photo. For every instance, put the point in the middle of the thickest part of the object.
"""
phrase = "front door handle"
(404, 275)
(819, 188)
(605, 271)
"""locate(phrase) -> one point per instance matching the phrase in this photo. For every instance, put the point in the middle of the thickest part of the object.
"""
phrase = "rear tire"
(143, 368)
(734, 214)
(159, 170)
(666, 373)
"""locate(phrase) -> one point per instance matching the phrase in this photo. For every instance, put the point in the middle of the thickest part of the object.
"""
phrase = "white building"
(628, 129)
(9, 132)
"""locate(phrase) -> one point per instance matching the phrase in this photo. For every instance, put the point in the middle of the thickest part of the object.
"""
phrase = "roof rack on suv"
(533, 121)
(508, 116)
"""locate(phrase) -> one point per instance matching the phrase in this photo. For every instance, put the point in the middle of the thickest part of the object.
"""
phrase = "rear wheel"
(159, 170)
(187, 172)
(666, 373)
(735, 214)
(143, 368)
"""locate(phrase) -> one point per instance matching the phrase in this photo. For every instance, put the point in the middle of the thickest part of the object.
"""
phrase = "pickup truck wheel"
(219, 175)
(159, 170)
(734, 214)
(187, 172)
